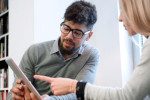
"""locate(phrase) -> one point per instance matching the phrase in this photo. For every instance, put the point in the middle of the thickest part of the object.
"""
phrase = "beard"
(66, 50)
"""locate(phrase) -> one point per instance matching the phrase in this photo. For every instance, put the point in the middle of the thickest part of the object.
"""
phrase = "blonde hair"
(138, 13)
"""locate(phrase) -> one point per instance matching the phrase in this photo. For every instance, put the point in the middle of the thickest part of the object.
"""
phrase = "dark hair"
(81, 12)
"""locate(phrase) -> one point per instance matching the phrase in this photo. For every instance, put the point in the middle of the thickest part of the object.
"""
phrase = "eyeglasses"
(75, 32)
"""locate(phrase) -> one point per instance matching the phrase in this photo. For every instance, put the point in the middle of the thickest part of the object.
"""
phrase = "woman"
(135, 14)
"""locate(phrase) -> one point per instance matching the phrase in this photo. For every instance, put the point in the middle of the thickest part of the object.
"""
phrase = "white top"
(137, 88)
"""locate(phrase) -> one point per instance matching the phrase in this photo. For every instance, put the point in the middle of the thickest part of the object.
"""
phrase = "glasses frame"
(83, 33)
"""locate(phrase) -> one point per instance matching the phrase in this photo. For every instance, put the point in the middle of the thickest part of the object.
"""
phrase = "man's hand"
(59, 86)
(18, 91)
(27, 94)
(30, 96)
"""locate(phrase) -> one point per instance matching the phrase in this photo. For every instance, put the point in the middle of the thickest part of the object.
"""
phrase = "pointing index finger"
(44, 78)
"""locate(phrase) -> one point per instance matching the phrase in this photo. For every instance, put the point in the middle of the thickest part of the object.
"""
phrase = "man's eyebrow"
(74, 29)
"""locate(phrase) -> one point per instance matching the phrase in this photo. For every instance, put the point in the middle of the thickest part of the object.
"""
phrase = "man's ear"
(89, 36)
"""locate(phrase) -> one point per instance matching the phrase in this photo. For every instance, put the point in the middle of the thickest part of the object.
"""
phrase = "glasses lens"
(77, 34)
(65, 29)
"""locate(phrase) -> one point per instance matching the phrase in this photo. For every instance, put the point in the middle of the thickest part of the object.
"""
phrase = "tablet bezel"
(22, 76)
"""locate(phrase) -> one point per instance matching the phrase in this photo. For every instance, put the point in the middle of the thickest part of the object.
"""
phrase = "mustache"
(69, 40)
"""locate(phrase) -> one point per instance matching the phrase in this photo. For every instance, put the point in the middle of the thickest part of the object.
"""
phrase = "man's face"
(68, 43)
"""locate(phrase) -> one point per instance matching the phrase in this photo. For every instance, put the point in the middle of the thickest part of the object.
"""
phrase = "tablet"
(22, 76)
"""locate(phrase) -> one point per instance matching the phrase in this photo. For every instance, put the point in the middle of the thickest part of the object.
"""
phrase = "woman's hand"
(59, 86)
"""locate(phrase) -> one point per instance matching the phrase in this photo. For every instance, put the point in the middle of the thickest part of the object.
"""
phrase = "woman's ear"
(89, 36)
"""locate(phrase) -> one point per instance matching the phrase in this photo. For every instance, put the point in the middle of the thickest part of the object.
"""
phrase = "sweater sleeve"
(89, 71)
(70, 96)
(26, 67)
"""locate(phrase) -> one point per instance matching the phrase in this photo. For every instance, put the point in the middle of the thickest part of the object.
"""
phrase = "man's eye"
(77, 33)
(66, 29)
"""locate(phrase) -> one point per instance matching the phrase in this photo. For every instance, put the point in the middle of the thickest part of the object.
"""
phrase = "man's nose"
(70, 35)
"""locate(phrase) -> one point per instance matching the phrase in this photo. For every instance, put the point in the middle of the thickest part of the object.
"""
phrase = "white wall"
(21, 30)
(106, 39)
(48, 16)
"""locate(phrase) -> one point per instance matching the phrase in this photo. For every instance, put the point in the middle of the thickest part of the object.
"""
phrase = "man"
(67, 57)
